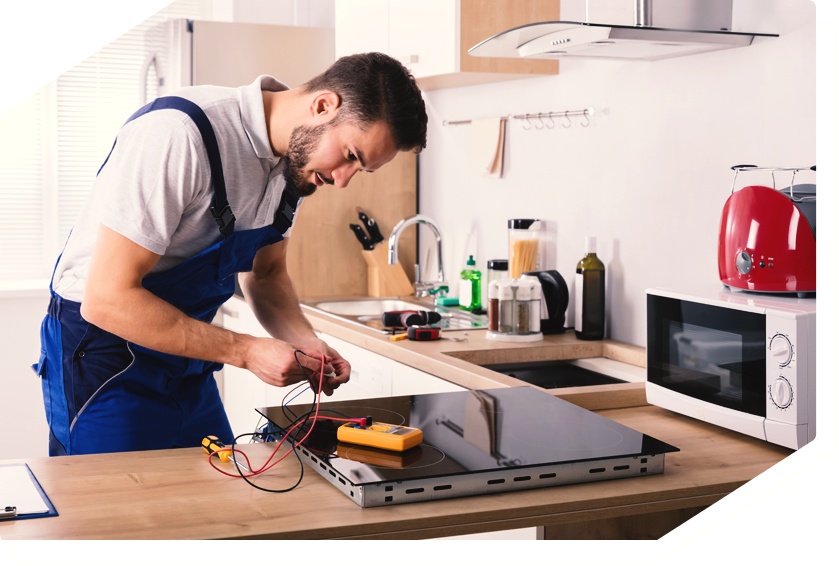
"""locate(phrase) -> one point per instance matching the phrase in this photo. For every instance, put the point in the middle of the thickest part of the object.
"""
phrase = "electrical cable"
(284, 403)
(315, 401)
(289, 430)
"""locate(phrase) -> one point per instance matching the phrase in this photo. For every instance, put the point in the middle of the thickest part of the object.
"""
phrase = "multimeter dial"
(781, 349)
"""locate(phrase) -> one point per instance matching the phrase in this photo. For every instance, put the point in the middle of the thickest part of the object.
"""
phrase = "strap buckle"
(287, 210)
(224, 218)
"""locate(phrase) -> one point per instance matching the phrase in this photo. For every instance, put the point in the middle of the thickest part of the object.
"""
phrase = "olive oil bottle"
(590, 299)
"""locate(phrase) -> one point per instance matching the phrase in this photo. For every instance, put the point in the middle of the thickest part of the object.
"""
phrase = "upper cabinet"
(432, 37)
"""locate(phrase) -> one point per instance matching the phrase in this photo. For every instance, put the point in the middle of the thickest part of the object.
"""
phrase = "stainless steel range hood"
(642, 41)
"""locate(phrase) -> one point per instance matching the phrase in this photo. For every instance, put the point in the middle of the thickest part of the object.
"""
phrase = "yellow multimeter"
(381, 435)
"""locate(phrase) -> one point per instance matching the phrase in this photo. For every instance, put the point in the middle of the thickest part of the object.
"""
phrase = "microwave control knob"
(781, 349)
(744, 262)
(781, 393)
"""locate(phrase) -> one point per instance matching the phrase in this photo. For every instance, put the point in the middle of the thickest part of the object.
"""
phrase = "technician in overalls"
(201, 186)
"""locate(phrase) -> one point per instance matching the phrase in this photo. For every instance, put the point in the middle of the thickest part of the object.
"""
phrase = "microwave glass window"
(708, 353)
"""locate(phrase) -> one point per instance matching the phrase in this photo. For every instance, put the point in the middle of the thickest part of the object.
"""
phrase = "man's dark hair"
(374, 87)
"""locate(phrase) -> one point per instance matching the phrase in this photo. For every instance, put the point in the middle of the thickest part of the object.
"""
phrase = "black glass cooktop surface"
(469, 432)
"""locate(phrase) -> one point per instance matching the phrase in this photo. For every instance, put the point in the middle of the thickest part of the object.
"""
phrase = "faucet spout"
(393, 254)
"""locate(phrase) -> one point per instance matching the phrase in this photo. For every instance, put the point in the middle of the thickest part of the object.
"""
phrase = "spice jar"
(492, 305)
(521, 307)
(517, 316)
(496, 271)
(536, 302)
(505, 306)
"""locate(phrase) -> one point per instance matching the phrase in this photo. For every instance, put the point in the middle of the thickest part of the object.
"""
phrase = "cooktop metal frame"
(481, 483)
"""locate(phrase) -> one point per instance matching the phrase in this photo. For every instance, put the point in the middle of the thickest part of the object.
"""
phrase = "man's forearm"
(144, 319)
(276, 305)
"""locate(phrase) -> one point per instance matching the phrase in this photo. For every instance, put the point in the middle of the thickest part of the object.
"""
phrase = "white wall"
(648, 177)
(23, 423)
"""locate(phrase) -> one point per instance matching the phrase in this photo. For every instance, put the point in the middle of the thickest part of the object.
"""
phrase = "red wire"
(266, 467)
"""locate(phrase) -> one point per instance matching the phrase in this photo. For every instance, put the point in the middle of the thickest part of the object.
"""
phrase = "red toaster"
(767, 239)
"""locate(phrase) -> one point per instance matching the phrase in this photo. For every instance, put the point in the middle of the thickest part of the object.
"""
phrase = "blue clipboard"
(51, 513)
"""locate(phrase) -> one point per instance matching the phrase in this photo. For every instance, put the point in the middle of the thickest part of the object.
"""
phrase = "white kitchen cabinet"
(424, 36)
(373, 375)
(411, 381)
(432, 38)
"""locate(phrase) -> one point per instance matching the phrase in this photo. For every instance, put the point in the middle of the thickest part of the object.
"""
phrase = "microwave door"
(709, 353)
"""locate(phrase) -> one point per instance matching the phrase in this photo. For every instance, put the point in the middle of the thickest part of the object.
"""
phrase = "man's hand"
(273, 361)
(335, 363)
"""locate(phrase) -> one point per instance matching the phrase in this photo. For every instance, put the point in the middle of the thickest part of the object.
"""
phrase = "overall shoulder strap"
(220, 208)
(284, 216)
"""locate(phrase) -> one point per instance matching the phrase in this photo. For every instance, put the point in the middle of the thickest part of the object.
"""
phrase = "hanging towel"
(488, 146)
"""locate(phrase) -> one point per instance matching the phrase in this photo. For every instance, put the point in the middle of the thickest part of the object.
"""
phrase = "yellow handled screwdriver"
(212, 444)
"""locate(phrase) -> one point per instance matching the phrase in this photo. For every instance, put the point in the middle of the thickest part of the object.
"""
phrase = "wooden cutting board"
(324, 257)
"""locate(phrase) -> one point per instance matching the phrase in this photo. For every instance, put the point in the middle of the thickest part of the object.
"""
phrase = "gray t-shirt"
(156, 188)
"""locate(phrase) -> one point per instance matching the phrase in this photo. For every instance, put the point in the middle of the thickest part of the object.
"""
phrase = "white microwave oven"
(736, 359)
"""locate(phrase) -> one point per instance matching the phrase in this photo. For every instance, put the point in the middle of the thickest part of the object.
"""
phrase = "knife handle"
(373, 229)
(362, 237)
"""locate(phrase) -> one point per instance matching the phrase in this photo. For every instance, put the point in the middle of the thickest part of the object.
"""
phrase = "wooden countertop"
(174, 494)
(457, 361)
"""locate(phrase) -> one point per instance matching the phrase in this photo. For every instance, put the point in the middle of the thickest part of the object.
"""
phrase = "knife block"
(383, 279)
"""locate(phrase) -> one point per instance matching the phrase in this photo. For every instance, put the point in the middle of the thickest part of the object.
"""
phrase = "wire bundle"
(295, 443)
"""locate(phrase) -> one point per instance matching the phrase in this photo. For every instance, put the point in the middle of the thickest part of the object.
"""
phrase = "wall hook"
(539, 117)
(567, 119)
(585, 113)
(527, 119)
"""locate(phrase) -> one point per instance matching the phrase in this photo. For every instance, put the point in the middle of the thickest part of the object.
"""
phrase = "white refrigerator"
(194, 52)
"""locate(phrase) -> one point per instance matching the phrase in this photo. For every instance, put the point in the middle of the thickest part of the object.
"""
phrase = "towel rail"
(564, 114)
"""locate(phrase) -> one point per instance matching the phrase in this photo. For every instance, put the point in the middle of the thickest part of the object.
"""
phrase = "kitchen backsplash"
(648, 177)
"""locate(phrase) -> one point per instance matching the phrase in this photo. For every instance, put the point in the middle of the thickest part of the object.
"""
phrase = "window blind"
(50, 151)
(94, 100)
(21, 162)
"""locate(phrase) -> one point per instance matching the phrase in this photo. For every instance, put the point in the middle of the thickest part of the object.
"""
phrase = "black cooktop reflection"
(469, 431)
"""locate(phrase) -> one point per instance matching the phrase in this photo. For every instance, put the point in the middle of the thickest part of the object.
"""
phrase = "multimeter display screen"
(468, 431)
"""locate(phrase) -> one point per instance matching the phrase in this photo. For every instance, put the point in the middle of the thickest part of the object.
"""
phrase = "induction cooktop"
(474, 442)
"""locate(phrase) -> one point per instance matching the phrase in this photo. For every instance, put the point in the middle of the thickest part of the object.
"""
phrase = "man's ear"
(325, 104)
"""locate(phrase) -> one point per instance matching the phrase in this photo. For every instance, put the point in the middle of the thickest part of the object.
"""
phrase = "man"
(199, 187)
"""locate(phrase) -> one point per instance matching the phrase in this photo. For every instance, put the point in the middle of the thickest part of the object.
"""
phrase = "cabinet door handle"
(408, 60)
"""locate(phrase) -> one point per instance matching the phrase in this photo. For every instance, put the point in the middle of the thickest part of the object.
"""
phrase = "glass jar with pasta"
(524, 245)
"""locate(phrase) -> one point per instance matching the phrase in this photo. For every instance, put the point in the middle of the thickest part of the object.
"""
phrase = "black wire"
(293, 440)
(283, 406)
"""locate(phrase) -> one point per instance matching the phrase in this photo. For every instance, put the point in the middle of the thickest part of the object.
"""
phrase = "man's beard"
(303, 142)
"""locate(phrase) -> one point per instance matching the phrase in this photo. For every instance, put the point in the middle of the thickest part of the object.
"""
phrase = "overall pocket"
(98, 357)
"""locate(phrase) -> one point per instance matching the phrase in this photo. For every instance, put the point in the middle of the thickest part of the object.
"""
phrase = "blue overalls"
(105, 394)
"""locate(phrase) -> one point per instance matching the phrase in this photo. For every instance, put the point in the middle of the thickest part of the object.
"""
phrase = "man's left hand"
(339, 364)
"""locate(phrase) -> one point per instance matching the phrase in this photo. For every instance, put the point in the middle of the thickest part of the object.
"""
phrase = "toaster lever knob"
(744, 262)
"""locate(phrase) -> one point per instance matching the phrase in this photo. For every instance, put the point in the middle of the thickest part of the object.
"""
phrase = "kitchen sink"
(367, 312)
(369, 307)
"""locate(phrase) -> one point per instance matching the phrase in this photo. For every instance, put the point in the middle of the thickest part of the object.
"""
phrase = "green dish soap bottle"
(470, 286)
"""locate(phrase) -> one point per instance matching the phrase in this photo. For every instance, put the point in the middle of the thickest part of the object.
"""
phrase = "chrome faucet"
(421, 288)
